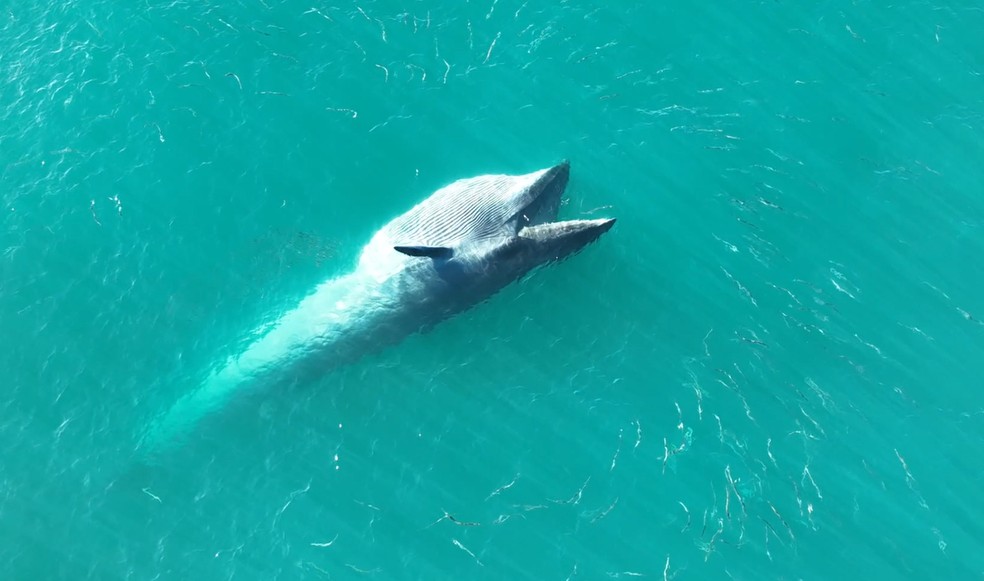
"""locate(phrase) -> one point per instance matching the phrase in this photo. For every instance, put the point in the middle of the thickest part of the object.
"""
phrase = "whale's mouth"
(545, 192)
(556, 241)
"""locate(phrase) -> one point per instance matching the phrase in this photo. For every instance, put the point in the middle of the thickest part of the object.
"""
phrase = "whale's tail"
(304, 341)
(166, 430)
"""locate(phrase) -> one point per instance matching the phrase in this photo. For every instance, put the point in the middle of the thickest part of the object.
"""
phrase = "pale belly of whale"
(341, 321)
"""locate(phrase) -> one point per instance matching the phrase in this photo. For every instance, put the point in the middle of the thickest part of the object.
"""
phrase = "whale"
(451, 252)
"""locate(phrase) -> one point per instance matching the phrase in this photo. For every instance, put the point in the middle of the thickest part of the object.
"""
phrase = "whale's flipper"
(428, 251)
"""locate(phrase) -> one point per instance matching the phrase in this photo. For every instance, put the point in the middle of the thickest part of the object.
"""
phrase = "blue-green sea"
(771, 367)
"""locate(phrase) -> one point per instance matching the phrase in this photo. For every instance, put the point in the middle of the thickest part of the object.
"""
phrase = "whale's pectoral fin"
(428, 251)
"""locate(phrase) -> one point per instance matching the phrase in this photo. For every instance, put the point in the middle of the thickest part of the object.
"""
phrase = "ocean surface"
(771, 368)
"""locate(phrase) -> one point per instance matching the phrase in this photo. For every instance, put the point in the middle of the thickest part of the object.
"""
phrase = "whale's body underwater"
(450, 252)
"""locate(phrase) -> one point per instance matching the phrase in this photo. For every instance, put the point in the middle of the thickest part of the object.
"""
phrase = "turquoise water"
(769, 369)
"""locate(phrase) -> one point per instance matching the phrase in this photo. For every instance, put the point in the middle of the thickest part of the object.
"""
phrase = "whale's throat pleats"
(467, 210)
(470, 209)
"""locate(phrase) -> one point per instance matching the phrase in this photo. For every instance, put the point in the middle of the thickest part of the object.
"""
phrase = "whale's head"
(535, 198)
(533, 236)
(486, 231)
(480, 208)
(465, 215)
